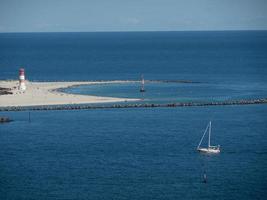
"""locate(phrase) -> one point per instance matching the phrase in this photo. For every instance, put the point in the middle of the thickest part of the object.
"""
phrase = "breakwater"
(140, 105)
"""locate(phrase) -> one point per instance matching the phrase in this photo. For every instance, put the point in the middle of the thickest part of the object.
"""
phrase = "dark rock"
(5, 119)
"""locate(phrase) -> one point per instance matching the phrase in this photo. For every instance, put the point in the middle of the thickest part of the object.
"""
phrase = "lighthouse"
(22, 85)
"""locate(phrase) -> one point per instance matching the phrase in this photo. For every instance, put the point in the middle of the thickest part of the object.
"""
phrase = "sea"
(138, 153)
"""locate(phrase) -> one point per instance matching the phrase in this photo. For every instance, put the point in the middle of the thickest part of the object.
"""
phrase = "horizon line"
(122, 31)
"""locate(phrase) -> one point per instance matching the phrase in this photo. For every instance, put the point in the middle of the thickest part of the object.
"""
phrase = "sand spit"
(47, 93)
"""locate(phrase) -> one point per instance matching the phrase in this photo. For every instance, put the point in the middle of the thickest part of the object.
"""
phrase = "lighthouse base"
(22, 87)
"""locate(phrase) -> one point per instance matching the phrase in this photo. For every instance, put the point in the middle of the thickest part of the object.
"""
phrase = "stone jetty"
(138, 105)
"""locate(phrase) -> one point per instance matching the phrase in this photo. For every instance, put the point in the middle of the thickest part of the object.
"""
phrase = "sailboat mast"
(209, 133)
(203, 136)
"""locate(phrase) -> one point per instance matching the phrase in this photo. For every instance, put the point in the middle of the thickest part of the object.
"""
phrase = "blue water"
(134, 154)
(234, 56)
(176, 92)
(138, 153)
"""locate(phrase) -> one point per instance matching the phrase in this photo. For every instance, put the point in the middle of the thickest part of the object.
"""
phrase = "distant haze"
(131, 15)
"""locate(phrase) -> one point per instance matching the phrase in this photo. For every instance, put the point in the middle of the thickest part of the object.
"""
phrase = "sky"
(131, 15)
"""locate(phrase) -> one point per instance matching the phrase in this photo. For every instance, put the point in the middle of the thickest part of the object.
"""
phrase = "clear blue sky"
(131, 15)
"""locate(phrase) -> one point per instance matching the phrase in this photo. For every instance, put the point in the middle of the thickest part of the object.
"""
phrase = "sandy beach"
(47, 93)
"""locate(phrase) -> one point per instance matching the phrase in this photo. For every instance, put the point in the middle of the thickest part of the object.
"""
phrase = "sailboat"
(209, 149)
(142, 89)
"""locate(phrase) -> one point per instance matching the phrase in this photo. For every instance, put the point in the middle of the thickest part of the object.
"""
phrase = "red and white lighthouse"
(22, 85)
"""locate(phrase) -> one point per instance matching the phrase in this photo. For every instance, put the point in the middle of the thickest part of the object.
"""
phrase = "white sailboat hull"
(208, 150)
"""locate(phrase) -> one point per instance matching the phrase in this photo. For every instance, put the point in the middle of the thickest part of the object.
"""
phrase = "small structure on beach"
(22, 85)
(4, 91)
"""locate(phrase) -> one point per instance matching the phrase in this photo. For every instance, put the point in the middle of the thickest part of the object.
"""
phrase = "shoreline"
(48, 94)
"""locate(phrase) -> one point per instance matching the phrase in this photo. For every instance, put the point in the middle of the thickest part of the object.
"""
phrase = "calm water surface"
(134, 154)
(175, 92)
